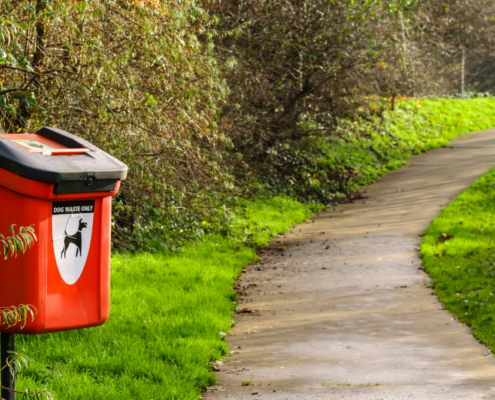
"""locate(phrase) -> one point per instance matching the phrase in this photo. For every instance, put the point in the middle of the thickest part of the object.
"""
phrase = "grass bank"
(168, 312)
(378, 140)
(458, 252)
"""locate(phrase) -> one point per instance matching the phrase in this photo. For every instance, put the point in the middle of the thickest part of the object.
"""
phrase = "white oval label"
(72, 228)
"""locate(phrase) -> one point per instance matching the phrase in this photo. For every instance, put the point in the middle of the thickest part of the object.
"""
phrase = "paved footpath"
(346, 313)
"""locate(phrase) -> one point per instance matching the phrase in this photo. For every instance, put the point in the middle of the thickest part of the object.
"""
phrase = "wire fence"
(458, 72)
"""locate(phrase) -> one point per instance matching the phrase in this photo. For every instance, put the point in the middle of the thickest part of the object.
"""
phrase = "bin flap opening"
(35, 143)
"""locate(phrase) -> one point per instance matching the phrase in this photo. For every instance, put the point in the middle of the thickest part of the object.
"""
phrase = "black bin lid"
(93, 163)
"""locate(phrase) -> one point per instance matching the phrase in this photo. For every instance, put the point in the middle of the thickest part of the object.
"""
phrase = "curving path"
(346, 313)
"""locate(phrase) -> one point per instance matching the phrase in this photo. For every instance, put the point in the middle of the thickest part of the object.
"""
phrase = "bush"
(326, 169)
(137, 79)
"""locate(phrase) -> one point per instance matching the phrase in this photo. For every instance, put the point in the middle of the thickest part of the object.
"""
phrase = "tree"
(445, 30)
(302, 66)
(137, 79)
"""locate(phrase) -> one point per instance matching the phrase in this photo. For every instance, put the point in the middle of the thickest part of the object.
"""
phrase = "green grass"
(257, 220)
(463, 267)
(167, 312)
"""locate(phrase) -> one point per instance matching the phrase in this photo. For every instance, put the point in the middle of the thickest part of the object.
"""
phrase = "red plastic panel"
(37, 278)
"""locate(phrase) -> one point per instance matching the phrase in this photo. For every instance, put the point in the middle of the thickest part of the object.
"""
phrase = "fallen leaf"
(444, 236)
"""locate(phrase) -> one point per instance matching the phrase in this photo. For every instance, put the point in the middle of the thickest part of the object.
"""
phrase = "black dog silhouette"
(76, 239)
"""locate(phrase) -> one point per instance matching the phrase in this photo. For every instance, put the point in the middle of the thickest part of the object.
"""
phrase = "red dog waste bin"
(64, 186)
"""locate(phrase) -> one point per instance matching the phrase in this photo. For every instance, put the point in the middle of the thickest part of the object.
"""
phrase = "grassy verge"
(458, 252)
(378, 140)
(167, 314)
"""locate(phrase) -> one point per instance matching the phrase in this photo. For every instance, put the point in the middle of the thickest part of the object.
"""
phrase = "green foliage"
(378, 140)
(252, 222)
(14, 315)
(317, 59)
(137, 79)
(320, 169)
(8, 32)
(12, 245)
(167, 314)
(16, 363)
(21, 241)
(458, 252)
(255, 221)
(36, 394)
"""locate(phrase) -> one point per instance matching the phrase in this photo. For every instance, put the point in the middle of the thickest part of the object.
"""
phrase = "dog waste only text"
(73, 209)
